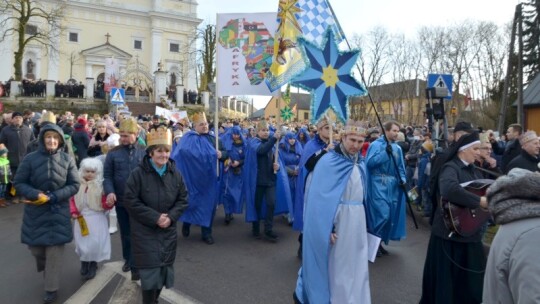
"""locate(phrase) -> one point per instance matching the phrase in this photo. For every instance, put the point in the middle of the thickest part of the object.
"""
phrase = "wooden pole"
(278, 123)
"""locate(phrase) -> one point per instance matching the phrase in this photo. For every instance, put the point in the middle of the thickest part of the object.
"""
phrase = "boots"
(3, 203)
(84, 268)
(92, 268)
(149, 296)
(113, 223)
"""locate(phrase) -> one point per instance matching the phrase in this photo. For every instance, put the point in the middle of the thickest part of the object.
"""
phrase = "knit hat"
(81, 121)
(527, 137)
(15, 114)
(428, 146)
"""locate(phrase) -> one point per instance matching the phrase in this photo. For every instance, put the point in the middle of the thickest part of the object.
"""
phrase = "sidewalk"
(113, 286)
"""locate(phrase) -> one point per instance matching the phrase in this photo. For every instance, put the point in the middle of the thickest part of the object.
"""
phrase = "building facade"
(147, 34)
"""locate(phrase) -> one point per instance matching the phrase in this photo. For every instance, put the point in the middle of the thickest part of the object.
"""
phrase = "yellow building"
(401, 101)
(139, 33)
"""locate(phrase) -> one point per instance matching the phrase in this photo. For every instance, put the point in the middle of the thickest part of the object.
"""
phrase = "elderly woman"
(47, 178)
(155, 197)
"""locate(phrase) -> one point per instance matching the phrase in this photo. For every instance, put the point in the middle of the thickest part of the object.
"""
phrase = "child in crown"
(88, 206)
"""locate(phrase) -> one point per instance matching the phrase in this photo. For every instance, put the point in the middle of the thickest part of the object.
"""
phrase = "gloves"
(389, 148)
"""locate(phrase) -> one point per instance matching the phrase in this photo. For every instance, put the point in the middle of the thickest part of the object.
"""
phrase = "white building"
(143, 31)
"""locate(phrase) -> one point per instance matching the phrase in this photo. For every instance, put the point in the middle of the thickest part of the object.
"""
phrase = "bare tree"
(30, 22)
(207, 55)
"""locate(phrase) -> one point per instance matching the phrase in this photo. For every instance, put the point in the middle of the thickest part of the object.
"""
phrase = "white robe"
(348, 258)
(96, 246)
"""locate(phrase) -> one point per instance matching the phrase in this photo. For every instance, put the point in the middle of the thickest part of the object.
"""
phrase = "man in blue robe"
(235, 145)
(335, 255)
(312, 152)
(386, 199)
(265, 185)
(197, 159)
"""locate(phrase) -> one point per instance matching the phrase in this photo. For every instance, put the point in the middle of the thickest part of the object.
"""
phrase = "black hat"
(15, 114)
(155, 117)
(463, 126)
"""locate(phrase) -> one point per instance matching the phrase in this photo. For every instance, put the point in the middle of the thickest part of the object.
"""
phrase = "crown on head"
(161, 136)
(49, 117)
(354, 127)
(484, 138)
(321, 123)
(263, 124)
(199, 117)
(129, 125)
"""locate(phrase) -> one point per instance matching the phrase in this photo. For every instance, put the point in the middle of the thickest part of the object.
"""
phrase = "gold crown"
(161, 136)
(129, 125)
(199, 117)
(263, 124)
(353, 127)
(49, 117)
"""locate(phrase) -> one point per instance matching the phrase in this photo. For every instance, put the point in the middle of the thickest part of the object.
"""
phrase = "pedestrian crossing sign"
(117, 96)
(441, 81)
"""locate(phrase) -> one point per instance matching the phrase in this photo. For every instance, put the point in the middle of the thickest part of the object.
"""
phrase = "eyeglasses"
(486, 148)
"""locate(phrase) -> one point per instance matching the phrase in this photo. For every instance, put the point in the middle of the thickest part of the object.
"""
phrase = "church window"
(137, 44)
(174, 47)
(30, 29)
(73, 37)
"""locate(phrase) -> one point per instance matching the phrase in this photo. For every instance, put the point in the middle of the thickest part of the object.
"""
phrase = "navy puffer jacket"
(55, 174)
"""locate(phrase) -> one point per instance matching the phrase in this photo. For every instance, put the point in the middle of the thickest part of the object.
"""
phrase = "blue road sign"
(117, 96)
(440, 81)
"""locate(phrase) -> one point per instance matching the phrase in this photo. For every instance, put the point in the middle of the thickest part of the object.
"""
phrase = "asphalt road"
(236, 269)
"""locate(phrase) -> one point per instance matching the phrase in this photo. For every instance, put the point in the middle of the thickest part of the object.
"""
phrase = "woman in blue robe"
(235, 145)
(290, 151)
(302, 136)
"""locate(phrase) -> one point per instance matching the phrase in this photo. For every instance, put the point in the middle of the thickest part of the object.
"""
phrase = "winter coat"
(119, 163)
(147, 196)
(81, 141)
(55, 175)
(524, 161)
(16, 140)
(512, 270)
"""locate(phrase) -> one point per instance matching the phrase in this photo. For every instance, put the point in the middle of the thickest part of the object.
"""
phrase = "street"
(236, 269)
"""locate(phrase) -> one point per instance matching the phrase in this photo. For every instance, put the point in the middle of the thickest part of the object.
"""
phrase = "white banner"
(175, 116)
(244, 53)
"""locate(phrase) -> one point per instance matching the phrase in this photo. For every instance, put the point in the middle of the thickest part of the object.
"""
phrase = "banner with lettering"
(244, 53)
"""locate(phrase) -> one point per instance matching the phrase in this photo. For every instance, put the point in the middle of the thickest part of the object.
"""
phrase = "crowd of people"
(340, 186)
(38, 88)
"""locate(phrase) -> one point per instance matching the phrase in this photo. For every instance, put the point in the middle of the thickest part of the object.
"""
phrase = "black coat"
(265, 163)
(53, 173)
(524, 161)
(16, 140)
(146, 197)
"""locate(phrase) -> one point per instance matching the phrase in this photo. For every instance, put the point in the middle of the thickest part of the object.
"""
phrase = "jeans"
(270, 194)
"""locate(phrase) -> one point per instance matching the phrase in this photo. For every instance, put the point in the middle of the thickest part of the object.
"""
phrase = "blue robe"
(250, 185)
(385, 210)
(329, 181)
(233, 177)
(306, 137)
(196, 159)
(314, 145)
(290, 158)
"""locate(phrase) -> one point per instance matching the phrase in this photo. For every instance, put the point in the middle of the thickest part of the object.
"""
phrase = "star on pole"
(328, 77)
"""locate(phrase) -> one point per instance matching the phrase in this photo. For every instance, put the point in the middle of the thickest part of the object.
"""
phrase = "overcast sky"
(360, 16)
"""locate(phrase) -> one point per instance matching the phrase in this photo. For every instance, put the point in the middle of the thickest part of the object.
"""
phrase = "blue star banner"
(328, 78)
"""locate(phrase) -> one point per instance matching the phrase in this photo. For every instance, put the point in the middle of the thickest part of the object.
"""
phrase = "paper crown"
(161, 136)
(527, 137)
(484, 138)
(199, 117)
(129, 125)
(49, 117)
(323, 122)
(263, 124)
(353, 127)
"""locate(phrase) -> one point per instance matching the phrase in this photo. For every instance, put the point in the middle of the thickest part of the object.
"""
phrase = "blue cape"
(306, 136)
(283, 196)
(385, 208)
(232, 183)
(329, 180)
(196, 159)
(310, 148)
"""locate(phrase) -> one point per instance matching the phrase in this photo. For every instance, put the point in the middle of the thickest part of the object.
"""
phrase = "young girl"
(88, 206)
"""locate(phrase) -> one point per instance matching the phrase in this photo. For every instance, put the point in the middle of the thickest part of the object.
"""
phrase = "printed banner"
(244, 53)
(112, 72)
